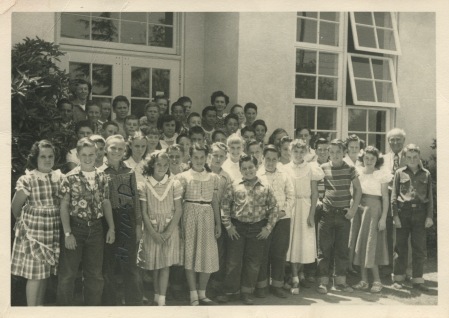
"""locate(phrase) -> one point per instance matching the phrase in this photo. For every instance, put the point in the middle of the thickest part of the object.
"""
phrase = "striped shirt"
(337, 182)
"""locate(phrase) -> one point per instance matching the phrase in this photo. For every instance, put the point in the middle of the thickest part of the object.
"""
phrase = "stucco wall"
(32, 24)
(417, 79)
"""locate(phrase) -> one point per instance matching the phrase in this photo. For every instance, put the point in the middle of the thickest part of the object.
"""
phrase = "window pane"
(111, 15)
(328, 64)
(386, 39)
(134, 16)
(327, 88)
(308, 14)
(138, 107)
(383, 19)
(326, 135)
(305, 117)
(361, 67)
(330, 16)
(101, 79)
(376, 120)
(327, 118)
(363, 18)
(133, 33)
(366, 36)
(384, 92)
(160, 82)
(378, 141)
(79, 71)
(161, 18)
(74, 26)
(329, 33)
(140, 82)
(306, 61)
(104, 30)
(160, 36)
(364, 90)
(381, 69)
(305, 86)
(356, 120)
(306, 30)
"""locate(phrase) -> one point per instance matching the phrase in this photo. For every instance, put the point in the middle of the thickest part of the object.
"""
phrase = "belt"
(411, 205)
(85, 222)
(248, 223)
(199, 202)
(336, 210)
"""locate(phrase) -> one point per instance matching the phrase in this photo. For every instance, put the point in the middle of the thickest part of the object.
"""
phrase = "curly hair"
(197, 147)
(376, 153)
(35, 150)
(148, 167)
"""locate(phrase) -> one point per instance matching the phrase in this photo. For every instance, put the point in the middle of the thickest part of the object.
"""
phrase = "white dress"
(302, 248)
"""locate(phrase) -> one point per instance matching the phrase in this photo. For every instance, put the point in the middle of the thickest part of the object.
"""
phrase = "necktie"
(395, 162)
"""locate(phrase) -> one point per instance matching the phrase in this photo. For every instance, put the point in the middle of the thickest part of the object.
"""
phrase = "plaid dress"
(35, 252)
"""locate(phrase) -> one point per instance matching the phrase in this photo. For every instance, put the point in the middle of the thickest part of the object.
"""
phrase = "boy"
(186, 102)
(248, 134)
(65, 108)
(100, 160)
(94, 114)
(85, 200)
(412, 206)
(197, 135)
(250, 110)
(131, 125)
(334, 224)
(109, 128)
(162, 102)
(194, 119)
(177, 110)
(105, 110)
(83, 129)
(278, 242)
(231, 165)
(209, 115)
(81, 92)
(128, 219)
(120, 106)
(220, 100)
(231, 123)
(254, 148)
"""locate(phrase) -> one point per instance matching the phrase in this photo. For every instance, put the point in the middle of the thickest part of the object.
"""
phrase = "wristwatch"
(67, 234)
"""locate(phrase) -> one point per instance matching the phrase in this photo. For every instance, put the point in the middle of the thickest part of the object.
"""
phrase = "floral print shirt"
(86, 201)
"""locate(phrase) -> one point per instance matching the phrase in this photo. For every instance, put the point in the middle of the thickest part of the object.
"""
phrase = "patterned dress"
(35, 252)
(201, 252)
(160, 198)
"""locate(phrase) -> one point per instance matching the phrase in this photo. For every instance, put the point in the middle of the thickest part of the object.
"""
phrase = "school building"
(335, 72)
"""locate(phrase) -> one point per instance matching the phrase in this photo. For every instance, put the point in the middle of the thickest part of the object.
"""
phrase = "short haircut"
(234, 107)
(298, 130)
(176, 104)
(178, 139)
(150, 131)
(166, 118)
(196, 130)
(216, 132)
(97, 138)
(252, 143)
(148, 167)
(247, 128)
(249, 106)
(234, 139)
(119, 98)
(299, 143)
(109, 123)
(259, 122)
(219, 146)
(184, 99)
(63, 101)
(356, 138)
(337, 142)
(375, 152)
(131, 117)
(35, 150)
(396, 131)
(276, 132)
(284, 140)
(208, 109)
(248, 158)
(85, 142)
(82, 124)
(219, 94)
(79, 81)
(91, 103)
(193, 114)
(151, 104)
(160, 97)
(119, 137)
(197, 147)
(174, 147)
(229, 117)
(412, 148)
(321, 141)
(271, 148)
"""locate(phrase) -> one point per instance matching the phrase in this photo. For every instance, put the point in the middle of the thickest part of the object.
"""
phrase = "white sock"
(295, 279)
(156, 297)
(202, 294)
(193, 295)
(161, 301)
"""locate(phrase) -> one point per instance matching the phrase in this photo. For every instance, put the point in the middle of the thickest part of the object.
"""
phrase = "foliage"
(36, 85)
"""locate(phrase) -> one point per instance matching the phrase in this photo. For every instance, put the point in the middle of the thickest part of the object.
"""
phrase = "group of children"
(206, 199)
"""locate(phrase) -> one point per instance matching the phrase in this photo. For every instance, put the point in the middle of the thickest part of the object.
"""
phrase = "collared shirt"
(283, 189)
(409, 187)
(79, 113)
(337, 181)
(86, 201)
(389, 163)
(250, 203)
(232, 168)
(224, 182)
(123, 190)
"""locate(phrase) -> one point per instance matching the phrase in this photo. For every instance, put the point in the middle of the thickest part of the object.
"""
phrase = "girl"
(175, 154)
(169, 127)
(137, 147)
(185, 143)
(202, 225)
(219, 136)
(284, 149)
(238, 110)
(35, 207)
(160, 198)
(153, 144)
(305, 134)
(368, 237)
(353, 147)
(260, 128)
(302, 248)
(276, 136)
(231, 124)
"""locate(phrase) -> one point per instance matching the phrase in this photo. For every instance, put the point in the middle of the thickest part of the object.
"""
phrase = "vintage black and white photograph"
(246, 158)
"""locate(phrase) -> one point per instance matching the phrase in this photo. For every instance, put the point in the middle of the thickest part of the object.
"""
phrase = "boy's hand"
(281, 214)
(110, 236)
(382, 225)
(263, 235)
(70, 242)
(311, 220)
(217, 230)
(397, 222)
(233, 234)
(351, 212)
(429, 223)
(138, 233)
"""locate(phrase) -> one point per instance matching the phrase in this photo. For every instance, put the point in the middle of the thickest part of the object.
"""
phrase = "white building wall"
(32, 24)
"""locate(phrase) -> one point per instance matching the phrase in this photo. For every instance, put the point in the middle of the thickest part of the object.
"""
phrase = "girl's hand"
(70, 242)
(158, 238)
(233, 234)
(311, 220)
(429, 223)
(166, 235)
(138, 233)
(382, 225)
(397, 222)
(217, 230)
(110, 236)
(263, 235)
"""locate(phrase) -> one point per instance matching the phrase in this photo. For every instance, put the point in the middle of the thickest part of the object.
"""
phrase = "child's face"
(197, 138)
(198, 159)
(66, 112)
(94, 113)
(115, 149)
(248, 170)
(84, 132)
(271, 160)
(235, 150)
(45, 160)
(336, 154)
(175, 157)
(260, 133)
(160, 168)
(121, 110)
(185, 143)
(353, 149)
(369, 160)
(220, 138)
(105, 110)
(285, 151)
(152, 114)
(304, 135)
(82, 92)
(138, 147)
(298, 154)
(218, 156)
(211, 118)
(163, 104)
(321, 151)
(87, 157)
(240, 114)
(187, 107)
(178, 113)
(131, 126)
(231, 126)
(278, 138)
(169, 128)
(248, 136)
(110, 131)
(412, 158)
(250, 115)
(100, 151)
(255, 151)
(220, 104)
(152, 141)
(194, 121)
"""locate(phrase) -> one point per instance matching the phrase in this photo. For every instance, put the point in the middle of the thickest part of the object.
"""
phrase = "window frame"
(315, 129)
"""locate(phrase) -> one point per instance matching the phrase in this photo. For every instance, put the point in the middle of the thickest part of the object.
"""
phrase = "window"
(369, 125)
(139, 31)
(321, 120)
(321, 28)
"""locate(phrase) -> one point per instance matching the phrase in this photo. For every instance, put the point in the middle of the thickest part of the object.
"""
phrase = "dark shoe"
(278, 292)
(222, 299)
(260, 292)
(207, 302)
(421, 287)
(305, 283)
(353, 272)
(246, 299)
(344, 287)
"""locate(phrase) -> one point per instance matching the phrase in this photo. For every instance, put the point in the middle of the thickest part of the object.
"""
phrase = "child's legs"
(264, 270)
(401, 248)
(218, 277)
(341, 246)
(278, 251)
(35, 291)
(156, 282)
(364, 273)
(353, 235)
(375, 271)
(234, 259)
(132, 277)
(163, 280)
(109, 297)
(203, 279)
(418, 234)
(92, 263)
(325, 244)
(191, 279)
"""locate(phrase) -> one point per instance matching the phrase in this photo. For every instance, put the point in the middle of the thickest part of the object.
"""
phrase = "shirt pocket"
(404, 184)
(240, 198)
(421, 186)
